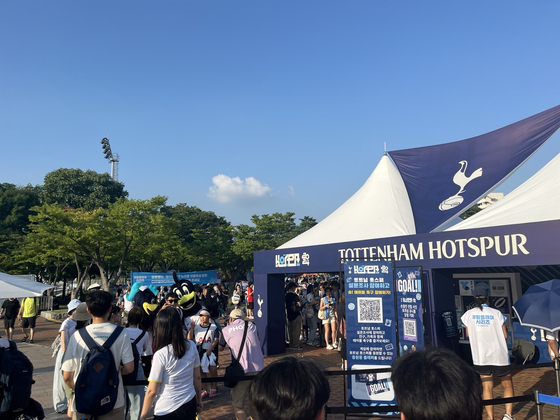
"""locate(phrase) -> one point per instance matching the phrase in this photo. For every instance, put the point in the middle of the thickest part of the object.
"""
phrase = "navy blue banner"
(371, 339)
(166, 279)
(511, 245)
(444, 180)
(409, 308)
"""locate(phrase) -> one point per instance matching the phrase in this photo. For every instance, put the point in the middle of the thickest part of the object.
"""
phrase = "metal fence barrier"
(536, 397)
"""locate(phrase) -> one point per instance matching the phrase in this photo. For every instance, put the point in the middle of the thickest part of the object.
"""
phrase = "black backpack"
(97, 385)
(130, 379)
(16, 378)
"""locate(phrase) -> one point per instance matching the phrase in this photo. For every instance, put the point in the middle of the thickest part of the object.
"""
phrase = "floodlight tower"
(114, 159)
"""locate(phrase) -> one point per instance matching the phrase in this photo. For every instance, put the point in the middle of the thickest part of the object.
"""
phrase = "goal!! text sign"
(409, 308)
(370, 330)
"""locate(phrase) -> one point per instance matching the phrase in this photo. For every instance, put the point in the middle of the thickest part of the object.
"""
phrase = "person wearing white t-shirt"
(174, 381)
(99, 306)
(487, 334)
(206, 336)
(135, 393)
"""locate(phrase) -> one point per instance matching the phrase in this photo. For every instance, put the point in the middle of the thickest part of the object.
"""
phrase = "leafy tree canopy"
(268, 232)
(75, 188)
(15, 204)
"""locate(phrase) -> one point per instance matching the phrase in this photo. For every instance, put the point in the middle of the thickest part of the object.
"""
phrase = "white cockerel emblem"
(260, 302)
(460, 179)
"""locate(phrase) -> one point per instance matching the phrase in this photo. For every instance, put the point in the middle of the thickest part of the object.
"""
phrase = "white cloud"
(235, 190)
(291, 191)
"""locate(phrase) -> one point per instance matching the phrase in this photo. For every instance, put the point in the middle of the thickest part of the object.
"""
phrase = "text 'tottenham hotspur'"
(434, 250)
(482, 246)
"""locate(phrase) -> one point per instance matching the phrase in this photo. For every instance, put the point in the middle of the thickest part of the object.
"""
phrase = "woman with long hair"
(174, 378)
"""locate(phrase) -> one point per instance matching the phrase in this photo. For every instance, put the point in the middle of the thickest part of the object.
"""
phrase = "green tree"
(104, 238)
(15, 207)
(75, 188)
(470, 212)
(205, 238)
(268, 232)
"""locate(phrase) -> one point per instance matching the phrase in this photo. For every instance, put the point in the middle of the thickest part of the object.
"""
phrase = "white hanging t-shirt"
(486, 337)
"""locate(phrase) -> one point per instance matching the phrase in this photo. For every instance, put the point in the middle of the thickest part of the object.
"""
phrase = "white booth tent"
(17, 287)
(379, 209)
(536, 200)
(407, 208)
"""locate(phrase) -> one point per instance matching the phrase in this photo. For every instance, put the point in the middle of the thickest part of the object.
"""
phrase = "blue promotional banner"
(166, 279)
(409, 308)
(371, 338)
(444, 180)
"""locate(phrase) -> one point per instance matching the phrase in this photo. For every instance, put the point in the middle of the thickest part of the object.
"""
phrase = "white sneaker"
(335, 345)
(329, 347)
(507, 417)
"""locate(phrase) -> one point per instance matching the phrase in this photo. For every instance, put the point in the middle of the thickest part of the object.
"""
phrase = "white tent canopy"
(536, 200)
(17, 287)
(379, 209)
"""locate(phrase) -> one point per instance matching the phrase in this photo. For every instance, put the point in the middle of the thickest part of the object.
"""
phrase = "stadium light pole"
(113, 159)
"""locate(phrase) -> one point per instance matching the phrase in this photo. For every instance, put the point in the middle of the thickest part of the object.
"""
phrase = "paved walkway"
(219, 408)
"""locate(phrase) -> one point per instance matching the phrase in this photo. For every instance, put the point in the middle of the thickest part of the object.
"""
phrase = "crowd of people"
(315, 314)
(162, 363)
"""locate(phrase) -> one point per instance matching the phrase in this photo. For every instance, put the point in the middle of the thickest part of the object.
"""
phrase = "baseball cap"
(94, 286)
(73, 304)
(237, 314)
(204, 312)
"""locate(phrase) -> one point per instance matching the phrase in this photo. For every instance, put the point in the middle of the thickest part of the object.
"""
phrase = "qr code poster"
(409, 329)
(370, 310)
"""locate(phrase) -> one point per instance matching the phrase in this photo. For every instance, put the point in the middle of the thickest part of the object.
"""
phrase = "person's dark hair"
(135, 316)
(80, 324)
(115, 309)
(480, 300)
(291, 285)
(328, 288)
(168, 329)
(334, 283)
(436, 385)
(289, 389)
(172, 295)
(99, 302)
(309, 288)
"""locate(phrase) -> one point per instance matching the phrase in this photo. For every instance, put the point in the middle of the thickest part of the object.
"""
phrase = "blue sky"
(253, 107)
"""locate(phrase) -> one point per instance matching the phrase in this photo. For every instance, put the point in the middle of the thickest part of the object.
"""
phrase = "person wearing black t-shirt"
(293, 312)
(10, 309)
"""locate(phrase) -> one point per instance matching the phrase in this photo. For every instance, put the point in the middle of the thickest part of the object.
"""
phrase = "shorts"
(9, 323)
(69, 392)
(499, 372)
(186, 412)
(250, 305)
(238, 393)
(28, 322)
(329, 320)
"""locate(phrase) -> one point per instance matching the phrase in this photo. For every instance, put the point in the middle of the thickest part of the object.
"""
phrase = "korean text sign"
(371, 339)
(409, 308)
